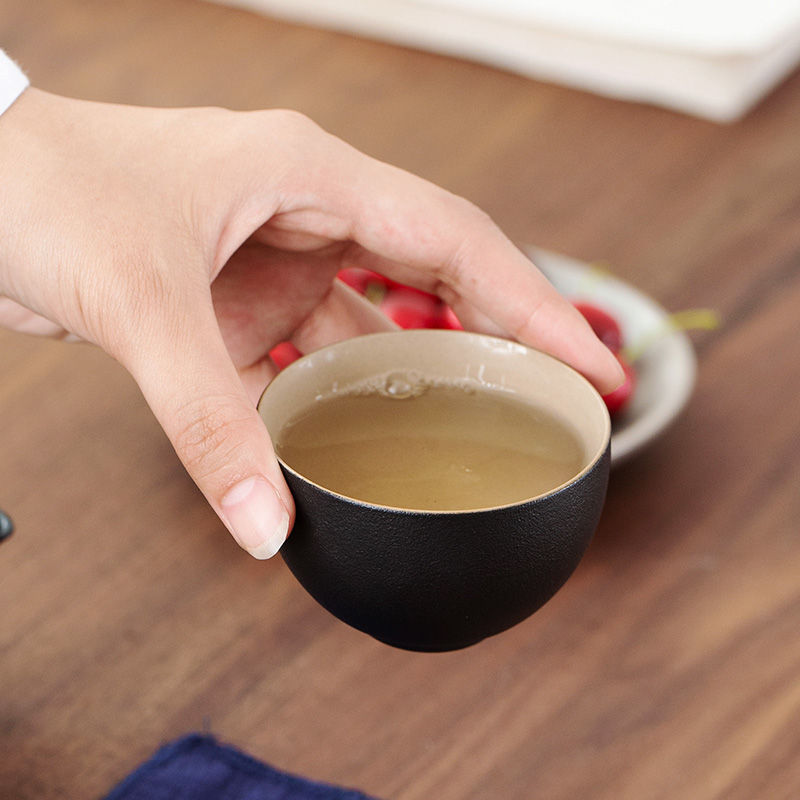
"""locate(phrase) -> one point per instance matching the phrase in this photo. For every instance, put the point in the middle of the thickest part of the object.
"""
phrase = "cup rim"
(591, 461)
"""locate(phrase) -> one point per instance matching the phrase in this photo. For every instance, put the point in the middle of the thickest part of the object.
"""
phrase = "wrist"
(23, 151)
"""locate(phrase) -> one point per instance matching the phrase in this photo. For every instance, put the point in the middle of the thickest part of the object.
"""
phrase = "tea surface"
(444, 449)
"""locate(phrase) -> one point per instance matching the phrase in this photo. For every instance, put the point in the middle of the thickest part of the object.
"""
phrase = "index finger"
(419, 233)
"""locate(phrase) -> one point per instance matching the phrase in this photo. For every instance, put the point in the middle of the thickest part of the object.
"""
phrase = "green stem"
(691, 319)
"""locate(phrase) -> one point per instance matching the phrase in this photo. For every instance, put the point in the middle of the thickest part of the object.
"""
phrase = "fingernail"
(620, 376)
(256, 517)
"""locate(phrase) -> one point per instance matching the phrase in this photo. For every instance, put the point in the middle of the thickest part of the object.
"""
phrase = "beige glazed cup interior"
(437, 355)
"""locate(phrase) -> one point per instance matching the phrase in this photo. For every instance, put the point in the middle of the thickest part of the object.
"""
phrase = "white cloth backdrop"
(712, 58)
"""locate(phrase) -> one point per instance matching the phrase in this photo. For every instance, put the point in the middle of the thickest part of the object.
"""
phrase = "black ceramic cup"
(441, 580)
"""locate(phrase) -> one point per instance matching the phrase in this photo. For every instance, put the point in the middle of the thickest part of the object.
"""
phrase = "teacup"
(435, 580)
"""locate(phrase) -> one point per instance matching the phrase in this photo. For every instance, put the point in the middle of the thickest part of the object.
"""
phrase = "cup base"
(443, 648)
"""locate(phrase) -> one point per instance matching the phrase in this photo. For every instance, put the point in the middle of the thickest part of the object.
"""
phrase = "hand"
(187, 243)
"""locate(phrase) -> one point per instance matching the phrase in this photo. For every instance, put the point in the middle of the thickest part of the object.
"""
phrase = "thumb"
(192, 387)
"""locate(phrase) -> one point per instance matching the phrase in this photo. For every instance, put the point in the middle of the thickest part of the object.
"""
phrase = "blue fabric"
(198, 767)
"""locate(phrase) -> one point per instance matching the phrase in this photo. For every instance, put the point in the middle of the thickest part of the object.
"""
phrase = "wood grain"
(668, 667)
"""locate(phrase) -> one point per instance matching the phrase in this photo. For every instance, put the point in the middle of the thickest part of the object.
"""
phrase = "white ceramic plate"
(666, 370)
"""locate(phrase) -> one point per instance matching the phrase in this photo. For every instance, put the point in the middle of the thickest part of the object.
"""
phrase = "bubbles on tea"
(403, 385)
(400, 386)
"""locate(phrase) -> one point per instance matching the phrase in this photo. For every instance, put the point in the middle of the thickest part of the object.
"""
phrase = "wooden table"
(668, 667)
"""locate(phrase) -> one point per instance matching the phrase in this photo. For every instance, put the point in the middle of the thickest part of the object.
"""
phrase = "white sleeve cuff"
(13, 81)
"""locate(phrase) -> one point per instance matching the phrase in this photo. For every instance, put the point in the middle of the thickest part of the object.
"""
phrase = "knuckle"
(474, 224)
(293, 120)
(531, 327)
(209, 436)
(476, 215)
(472, 217)
(285, 129)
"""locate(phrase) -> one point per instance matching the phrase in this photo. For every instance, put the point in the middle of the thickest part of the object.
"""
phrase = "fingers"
(510, 299)
(342, 314)
(467, 260)
(192, 387)
(17, 318)
(264, 297)
(421, 234)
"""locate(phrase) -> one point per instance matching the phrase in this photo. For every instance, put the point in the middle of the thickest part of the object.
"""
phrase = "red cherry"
(605, 327)
(618, 400)
(392, 285)
(410, 308)
(284, 354)
(375, 286)
(448, 319)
